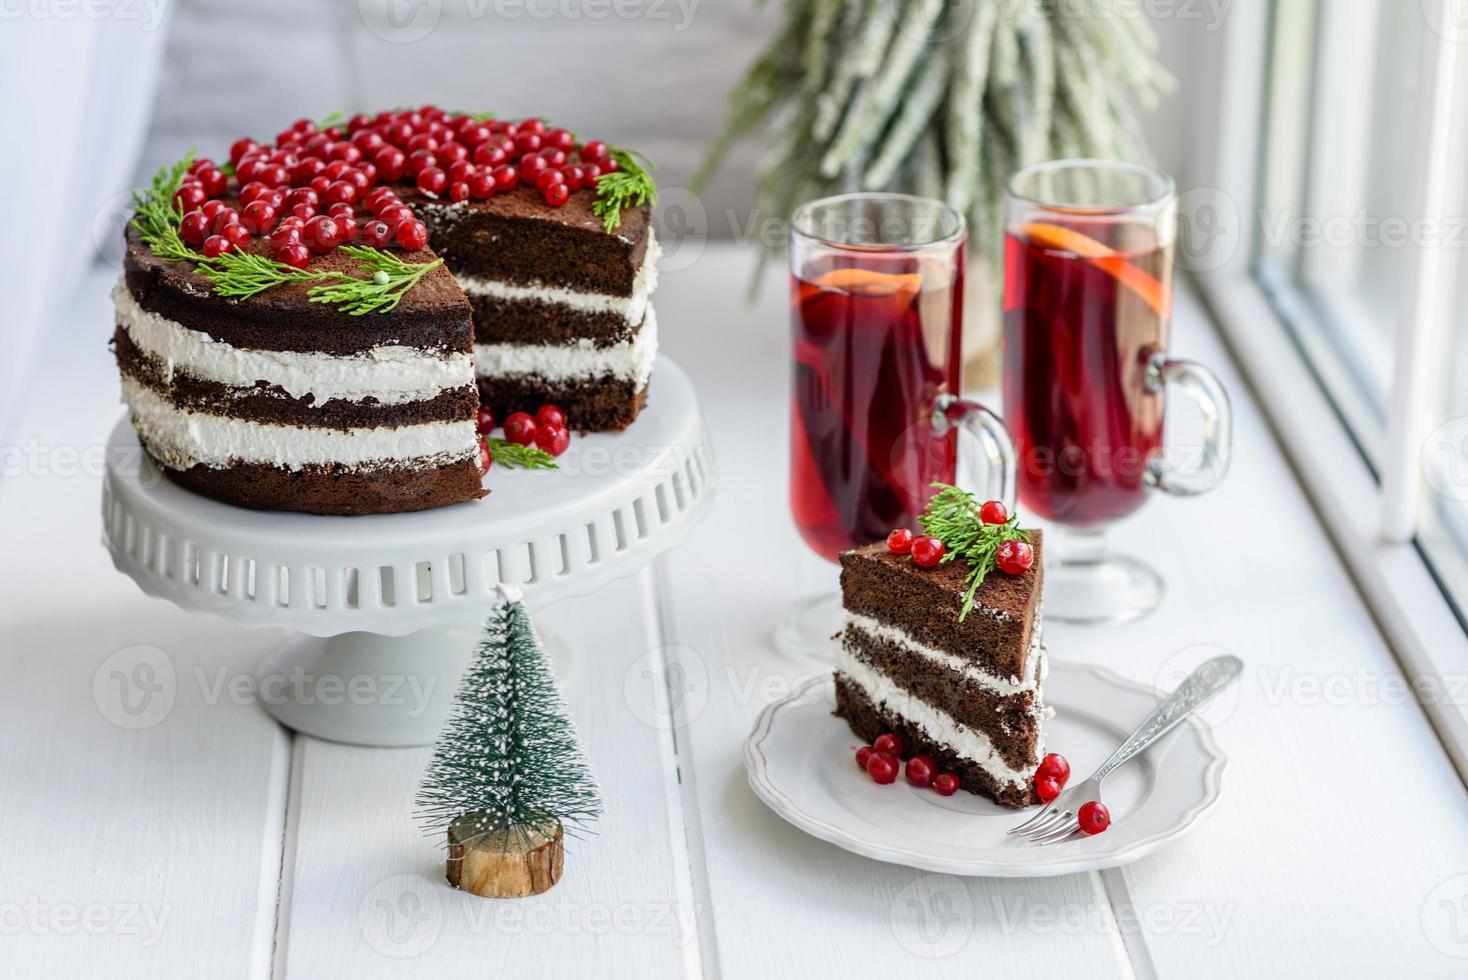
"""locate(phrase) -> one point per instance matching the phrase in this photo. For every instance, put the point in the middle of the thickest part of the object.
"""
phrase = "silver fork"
(1057, 820)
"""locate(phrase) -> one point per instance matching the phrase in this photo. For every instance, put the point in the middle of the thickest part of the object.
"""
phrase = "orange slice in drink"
(869, 282)
(1104, 257)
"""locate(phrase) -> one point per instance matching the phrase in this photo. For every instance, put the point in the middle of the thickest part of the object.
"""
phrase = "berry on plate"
(1093, 817)
(889, 744)
(1055, 767)
(882, 768)
(945, 784)
(920, 771)
(1047, 788)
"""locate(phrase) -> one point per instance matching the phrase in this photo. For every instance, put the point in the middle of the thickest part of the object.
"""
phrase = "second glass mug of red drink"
(877, 322)
(1087, 307)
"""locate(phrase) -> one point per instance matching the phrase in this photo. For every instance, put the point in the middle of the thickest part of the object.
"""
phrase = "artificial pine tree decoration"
(942, 98)
(508, 777)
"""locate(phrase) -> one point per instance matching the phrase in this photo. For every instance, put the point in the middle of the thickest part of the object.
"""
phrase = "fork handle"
(1211, 677)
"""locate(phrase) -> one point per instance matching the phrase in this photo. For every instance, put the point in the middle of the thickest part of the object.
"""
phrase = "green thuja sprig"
(240, 275)
(380, 292)
(952, 516)
(513, 456)
(157, 214)
(630, 186)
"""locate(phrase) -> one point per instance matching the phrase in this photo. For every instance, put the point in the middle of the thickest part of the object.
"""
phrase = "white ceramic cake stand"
(388, 605)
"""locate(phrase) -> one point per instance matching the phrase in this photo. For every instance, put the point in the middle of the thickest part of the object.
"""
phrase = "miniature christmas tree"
(508, 775)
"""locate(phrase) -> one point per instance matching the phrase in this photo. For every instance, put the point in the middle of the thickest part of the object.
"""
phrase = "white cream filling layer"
(1000, 685)
(939, 726)
(180, 438)
(392, 374)
(630, 308)
(631, 360)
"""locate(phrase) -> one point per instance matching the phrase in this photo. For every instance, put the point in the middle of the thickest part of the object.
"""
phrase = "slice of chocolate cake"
(561, 308)
(964, 691)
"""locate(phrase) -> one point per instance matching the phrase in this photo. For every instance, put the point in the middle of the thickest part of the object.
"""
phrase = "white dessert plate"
(801, 762)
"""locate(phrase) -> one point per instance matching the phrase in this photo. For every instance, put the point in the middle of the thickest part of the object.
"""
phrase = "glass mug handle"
(993, 438)
(1203, 387)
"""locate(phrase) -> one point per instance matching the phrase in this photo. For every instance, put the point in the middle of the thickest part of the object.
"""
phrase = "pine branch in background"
(944, 97)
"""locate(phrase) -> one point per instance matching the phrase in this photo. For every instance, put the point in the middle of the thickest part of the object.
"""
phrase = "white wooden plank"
(1341, 812)
(141, 811)
(367, 896)
(781, 900)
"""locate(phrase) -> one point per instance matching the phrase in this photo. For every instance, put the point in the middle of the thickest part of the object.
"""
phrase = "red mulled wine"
(1086, 305)
(876, 340)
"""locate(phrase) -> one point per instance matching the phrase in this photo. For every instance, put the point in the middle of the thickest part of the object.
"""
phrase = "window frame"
(1371, 521)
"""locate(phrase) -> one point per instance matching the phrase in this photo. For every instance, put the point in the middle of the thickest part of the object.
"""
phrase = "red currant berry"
(284, 234)
(259, 217)
(451, 152)
(920, 771)
(340, 209)
(458, 191)
(532, 165)
(390, 162)
(191, 196)
(945, 784)
(294, 254)
(527, 143)
(305, 170)
(320, 183)
(304, 212)
(899, 541)
(224, 216)
(340, 192)
(550, 414)
(395, 214)
(1055, 767)
(552, 438)
(211, 209)
(1014, 557)
(505, 177)
(561, 139)
(432, 180)
(927, 551)
(520, 428)
(547, 178)
(554, 158)
(240, 147)
(213, 180)
(1093, 817)
(882, 768)
(1046, 788)
(572, 173)
(376, 234)
(274, 175)
(485, 421)
(993, 512)
(862, 755)
(485, 459)
(322, 234)
(594, 150)
(489, 155)
(421, 141)
(194, 228)
(888, 743)
(346, 152)
(589, 173)
(481, 185)
(461, 170)
(236, 234)
(215, 246)
(412, 235)
(557, 195)
(349, 228)
(530, 125)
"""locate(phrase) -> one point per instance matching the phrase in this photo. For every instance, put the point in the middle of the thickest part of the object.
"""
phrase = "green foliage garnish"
(380, 292)
(240, 275)
(513, 456)
(630, 187)
(952, 516)
(157, 214)
(332, 119)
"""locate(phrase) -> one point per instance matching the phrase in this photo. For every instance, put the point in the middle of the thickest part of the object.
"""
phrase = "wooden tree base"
(504, 864)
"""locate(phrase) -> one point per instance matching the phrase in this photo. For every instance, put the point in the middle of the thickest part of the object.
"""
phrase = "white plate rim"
(756, 766)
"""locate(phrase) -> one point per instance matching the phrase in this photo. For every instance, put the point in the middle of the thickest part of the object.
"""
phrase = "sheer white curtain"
(78, 83)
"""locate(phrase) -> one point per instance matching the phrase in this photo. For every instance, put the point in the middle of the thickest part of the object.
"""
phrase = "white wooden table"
(153, 825)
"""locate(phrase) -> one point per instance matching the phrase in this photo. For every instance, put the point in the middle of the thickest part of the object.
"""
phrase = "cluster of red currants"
(546, 430)
(1050, 778)
(1012, 557)
(880, 760)
(305, 190)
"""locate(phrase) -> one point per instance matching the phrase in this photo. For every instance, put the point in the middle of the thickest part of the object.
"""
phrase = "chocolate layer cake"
(967, 693)
(561, 309)
(279, 403)
(252, 377)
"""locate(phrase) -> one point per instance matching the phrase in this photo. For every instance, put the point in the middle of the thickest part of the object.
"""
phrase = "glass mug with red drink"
(1088, 258)
(877, 317)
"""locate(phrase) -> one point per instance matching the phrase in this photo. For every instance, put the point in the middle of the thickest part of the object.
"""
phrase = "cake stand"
(386, 607)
